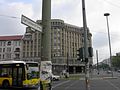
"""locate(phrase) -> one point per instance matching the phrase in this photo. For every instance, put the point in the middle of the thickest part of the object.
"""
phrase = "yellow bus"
(19, 74)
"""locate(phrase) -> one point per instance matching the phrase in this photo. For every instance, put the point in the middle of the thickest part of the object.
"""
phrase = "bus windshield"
(33, 70)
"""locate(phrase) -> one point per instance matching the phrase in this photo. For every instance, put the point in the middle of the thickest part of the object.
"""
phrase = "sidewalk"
(92, 76)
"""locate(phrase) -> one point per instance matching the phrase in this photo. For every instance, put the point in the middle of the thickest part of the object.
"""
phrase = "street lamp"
(106, 15)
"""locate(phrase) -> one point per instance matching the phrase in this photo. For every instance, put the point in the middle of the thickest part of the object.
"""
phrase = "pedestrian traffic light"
(80, 54)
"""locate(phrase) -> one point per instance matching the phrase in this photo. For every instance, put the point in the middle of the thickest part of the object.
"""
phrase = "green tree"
(104, 66)
(116, 61)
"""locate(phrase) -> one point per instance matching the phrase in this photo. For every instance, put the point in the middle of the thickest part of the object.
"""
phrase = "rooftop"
(15, 37)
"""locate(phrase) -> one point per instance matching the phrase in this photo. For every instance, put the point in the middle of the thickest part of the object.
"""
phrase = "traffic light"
(90, 51)
(80, 54)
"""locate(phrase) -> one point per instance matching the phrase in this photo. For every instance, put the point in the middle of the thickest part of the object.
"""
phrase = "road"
(103, 81)
(97, 84)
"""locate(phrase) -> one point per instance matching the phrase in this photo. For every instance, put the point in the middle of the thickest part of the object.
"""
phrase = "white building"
(10, 47)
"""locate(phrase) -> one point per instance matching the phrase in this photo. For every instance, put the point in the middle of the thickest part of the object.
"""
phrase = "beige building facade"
(66, 39)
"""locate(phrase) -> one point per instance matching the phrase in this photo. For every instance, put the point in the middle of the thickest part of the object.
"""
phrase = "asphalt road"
(97, 84)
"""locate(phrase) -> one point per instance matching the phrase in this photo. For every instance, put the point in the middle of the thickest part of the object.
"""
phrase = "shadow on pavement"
(18, 89)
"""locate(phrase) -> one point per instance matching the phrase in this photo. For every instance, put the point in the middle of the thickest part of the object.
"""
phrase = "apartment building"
(10, 47)
(66, 39)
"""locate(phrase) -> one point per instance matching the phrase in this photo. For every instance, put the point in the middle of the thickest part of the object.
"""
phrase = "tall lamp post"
(110, 64)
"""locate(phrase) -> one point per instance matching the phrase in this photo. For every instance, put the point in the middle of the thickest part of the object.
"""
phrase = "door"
(17, 74)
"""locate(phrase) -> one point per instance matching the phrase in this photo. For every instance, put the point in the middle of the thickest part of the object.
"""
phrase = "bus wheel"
(5, 84)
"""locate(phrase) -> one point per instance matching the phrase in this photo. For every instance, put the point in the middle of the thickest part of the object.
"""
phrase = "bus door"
(17, 73)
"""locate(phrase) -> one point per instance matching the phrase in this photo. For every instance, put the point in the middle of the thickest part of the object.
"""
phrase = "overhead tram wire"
(111, 3)
(13, 17)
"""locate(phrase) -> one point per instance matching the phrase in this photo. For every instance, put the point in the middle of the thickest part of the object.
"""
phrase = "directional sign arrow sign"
(26, 21)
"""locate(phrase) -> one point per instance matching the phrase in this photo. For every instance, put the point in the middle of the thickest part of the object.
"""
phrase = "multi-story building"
(66, 39)
(10, 47)
(31, 45)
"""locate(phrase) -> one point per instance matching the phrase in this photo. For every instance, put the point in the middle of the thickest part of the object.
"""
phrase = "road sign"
(25, 20)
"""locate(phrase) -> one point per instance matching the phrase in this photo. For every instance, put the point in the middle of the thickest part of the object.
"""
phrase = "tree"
(104, 66)
(116, 61)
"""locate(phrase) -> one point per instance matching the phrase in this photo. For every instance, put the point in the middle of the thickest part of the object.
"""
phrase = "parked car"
(55, 77)
(109, 71)
(118, 71)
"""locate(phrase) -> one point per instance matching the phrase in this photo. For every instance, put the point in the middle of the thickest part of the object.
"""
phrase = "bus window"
(33, 70)
(5, 72)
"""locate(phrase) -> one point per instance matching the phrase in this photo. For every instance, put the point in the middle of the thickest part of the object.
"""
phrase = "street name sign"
(26, 21)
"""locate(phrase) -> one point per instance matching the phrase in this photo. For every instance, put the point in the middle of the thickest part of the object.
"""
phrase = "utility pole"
(46, 31)
(97, 60)
(46, 39)
(85, 47)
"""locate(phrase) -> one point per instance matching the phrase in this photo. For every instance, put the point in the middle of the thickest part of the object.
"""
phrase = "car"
(55, 77)
(118, 71)
(109, 71)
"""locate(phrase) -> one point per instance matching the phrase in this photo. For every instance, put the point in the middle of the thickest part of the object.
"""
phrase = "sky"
(71, 12)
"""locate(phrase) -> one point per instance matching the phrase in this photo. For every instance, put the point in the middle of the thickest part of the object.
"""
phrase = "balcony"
(17, 50)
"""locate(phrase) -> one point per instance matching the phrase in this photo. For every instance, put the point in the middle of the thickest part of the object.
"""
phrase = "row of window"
(9, 56)
(31, 54)
(8, 49)
(9, 43)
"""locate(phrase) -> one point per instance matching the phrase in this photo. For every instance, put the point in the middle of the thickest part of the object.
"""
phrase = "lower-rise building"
(10, 47)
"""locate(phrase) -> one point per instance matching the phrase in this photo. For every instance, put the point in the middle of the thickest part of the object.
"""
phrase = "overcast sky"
(71, 12)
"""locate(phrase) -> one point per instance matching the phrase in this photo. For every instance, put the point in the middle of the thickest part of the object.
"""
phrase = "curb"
(109, 77)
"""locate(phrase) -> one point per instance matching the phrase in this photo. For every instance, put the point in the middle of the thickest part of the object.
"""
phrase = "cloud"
(100, 39)
(71, 12)
(10, 25)
(68, 11)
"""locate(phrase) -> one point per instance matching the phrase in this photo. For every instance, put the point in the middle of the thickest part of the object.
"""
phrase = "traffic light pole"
(85, 47)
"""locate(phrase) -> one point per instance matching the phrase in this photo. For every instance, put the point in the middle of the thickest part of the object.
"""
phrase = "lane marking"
(61, 84)
(117, 88)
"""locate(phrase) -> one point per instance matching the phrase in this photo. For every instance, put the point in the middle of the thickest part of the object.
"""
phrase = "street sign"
(25, 20)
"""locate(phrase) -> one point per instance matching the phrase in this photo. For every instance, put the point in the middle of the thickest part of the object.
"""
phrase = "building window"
(31, 54)
(17, 56)
(0, 49)
(8, 49)
(17, 50)
(23, 54)
(9, 43)
(8, 56)
(3, 49)
(0, 43)
(4, 43)
(3, 56)
(35, 54)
